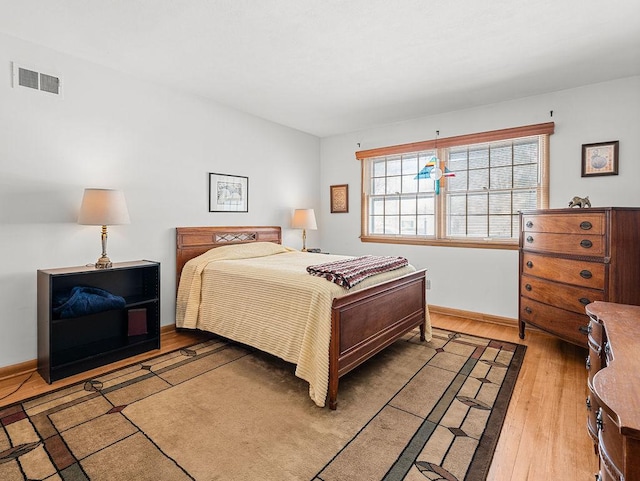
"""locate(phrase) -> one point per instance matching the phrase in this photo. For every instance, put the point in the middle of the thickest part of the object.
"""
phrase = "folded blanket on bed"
(84, 300)
(349, 272)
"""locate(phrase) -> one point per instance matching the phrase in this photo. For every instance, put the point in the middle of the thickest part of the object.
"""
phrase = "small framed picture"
(339, 198)
(228, 193)
(600, 159)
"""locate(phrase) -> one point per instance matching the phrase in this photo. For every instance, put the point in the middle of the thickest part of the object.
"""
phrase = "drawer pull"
(528, 310)
(588, 403)
(607, 348)
(584, 301)
(585, 274)
(586, 225)
(528, 287)
(529, 239)
(599, 422)
(585, 330)
(529, 224)
(588, 363)
(586, 243)
(529, 264)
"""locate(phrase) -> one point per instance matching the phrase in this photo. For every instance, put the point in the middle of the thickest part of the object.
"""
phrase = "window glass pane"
(379, 167)
(376, 207)
(392, 206)
(525, 151)
(394, 185)
(500, 154)
(500, 226)
(379, 185)
(500, 178)
(457, 182)
(425, 185)
(478, 179)
(478, 204)
(408, 205)
(377, 225)
(409, 183)
(457, 204)
(410, 165)
(408, 225)
(457, 160)
(524, 200)
(479, 157)
(394, 166)
(477, 226)
(391, 224)
(426, 225)
(500, 203)
(426, 205)
(525, 175)
(457, 226)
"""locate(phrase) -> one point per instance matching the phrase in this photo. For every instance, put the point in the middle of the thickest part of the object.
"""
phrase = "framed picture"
(600, 159)
(339, 198)
(228, 193)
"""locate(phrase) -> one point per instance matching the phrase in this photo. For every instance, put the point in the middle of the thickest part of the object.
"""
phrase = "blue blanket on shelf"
(84, 300)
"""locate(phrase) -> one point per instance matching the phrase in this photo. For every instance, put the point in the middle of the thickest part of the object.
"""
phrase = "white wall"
(112, 130)
(484, 280)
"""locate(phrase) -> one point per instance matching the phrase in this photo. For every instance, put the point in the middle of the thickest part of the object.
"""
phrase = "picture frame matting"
(600, 159)
(228, 193)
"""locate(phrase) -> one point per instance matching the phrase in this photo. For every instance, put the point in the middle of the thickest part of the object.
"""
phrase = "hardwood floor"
(544, 435)
(35, 385)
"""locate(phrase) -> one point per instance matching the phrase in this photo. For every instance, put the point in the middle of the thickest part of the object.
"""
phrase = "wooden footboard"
(365, 322)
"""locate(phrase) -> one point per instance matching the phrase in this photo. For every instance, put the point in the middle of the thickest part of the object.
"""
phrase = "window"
(488, 178)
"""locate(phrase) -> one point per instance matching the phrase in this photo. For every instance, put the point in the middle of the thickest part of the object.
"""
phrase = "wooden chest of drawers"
(572, 257)
(613, 401)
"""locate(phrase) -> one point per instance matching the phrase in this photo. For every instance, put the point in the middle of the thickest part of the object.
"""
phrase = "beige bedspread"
(260, 294)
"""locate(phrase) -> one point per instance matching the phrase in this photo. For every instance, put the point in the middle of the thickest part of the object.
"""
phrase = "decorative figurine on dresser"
(572, 257)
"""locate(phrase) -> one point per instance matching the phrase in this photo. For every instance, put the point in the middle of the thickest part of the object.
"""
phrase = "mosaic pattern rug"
(221, 411)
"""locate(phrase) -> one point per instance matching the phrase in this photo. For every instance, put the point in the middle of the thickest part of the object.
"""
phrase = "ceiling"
(334, 66)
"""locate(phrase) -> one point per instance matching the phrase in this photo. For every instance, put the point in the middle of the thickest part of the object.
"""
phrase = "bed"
(322, 328)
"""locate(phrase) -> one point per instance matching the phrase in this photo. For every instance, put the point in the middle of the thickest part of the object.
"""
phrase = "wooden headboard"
(193, 241)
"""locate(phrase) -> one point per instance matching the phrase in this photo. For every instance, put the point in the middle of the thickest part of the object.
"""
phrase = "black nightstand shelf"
(72, 345)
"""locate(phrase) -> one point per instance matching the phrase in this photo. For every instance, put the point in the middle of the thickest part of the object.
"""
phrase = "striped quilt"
(260, 294)
(349, 272)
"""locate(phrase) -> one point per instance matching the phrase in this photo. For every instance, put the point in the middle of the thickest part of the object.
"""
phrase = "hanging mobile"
(435, 169)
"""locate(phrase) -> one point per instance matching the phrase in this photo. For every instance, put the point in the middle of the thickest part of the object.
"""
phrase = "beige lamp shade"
(304, 219)
(103, 207)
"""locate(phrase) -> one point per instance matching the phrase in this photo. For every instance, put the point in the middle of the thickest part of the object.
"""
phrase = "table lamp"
(103, 207)
(304, 219)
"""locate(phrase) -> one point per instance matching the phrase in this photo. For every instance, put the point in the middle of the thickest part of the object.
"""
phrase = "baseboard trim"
(28, 367)
(474, 316)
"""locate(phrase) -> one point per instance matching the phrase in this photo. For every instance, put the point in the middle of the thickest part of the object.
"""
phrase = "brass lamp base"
(104, 263)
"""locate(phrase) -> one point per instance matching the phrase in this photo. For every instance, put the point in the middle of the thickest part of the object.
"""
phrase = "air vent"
(32, 79)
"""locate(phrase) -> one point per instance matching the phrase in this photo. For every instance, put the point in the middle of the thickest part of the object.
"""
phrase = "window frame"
(544, 130)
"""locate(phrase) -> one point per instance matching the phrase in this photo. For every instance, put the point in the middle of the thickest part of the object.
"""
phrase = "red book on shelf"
(137, 322)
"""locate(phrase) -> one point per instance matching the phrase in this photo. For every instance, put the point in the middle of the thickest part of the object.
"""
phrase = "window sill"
(470, 244)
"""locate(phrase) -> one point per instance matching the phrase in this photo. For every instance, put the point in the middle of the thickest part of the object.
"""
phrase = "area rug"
(221, 411)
